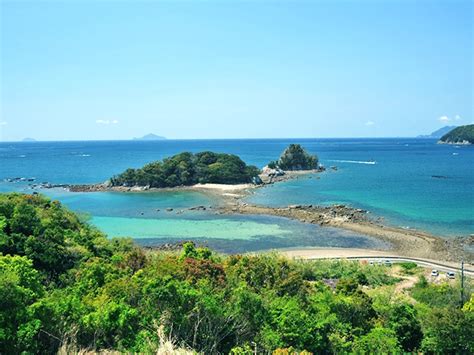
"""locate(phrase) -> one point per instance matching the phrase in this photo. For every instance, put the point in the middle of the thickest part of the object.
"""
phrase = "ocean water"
(412, 183)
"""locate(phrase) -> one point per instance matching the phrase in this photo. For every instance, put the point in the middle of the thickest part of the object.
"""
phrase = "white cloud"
(3, 123)
(444, 119)
(106, 121)
(457, 118)
(369, 123)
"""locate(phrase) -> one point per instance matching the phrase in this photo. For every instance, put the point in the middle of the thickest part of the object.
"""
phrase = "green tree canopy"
(295, 157)
(186, 169)
(64, 285)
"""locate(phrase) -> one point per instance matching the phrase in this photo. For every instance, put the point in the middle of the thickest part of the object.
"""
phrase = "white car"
(450, 275)
(434, 273)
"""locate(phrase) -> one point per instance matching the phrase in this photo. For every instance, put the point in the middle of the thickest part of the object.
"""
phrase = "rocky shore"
(406, 242)
(267, 177)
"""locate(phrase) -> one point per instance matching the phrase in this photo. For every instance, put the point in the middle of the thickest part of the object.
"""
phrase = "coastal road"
(364, 254)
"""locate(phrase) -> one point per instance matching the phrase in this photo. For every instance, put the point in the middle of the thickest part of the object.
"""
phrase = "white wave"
(455, 153)
(22, 156)
(84, 155)
(372, 162)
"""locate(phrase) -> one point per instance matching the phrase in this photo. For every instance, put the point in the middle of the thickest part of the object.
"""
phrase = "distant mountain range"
(439, 132)
(150, 137)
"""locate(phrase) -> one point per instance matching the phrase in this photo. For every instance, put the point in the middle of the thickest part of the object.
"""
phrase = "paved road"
(395, 259)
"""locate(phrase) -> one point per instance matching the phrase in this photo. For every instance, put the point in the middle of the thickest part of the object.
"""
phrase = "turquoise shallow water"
(144, 217)
(232, 233)
(205, 228)
(410, 182)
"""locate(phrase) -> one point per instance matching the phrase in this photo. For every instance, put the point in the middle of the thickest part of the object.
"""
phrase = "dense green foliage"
(61, 282)
(295, 158)
(460, 134)
(186, 169)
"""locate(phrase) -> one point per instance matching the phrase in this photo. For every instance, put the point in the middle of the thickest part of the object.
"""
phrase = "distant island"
(150, 137)
(439, 132)
(459, 135)
(27, 139)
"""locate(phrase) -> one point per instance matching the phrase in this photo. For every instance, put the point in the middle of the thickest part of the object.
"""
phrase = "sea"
(405, 182)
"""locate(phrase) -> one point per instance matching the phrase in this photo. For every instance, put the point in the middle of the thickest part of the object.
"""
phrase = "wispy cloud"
(369, 123)
(106, 122)
(445, 119)
(3, 123)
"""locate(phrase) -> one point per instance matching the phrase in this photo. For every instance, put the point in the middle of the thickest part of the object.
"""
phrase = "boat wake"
(371, 162)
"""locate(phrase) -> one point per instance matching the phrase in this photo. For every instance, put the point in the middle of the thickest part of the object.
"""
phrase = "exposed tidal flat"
(414, 185)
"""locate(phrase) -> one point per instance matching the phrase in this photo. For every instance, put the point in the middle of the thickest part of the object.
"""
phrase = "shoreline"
(370, 255)
(404, 242)
(105, 187)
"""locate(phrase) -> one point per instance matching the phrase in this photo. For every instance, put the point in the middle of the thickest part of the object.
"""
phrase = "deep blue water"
(412, 183)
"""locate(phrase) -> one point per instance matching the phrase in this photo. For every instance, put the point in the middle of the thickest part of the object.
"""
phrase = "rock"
(272, 172)
(294, 207)
(169, 209)
(140, 188)
(270, 175)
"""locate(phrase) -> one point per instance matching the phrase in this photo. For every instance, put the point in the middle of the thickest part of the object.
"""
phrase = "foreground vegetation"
(460, 134)
(64, 285)
(187, 169)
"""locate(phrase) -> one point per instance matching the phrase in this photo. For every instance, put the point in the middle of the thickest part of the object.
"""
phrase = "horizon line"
(208, 139)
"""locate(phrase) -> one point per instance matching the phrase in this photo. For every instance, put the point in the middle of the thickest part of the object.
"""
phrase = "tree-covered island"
(295, 157)
(186, 169)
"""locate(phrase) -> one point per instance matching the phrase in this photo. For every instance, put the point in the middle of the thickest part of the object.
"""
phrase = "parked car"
(387, 263)
(434, 273)
(450, 275)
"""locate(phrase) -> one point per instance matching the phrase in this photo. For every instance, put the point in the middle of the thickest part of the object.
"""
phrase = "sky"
(89, 70)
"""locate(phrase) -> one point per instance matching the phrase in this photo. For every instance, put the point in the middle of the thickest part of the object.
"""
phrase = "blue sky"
(242, 69)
